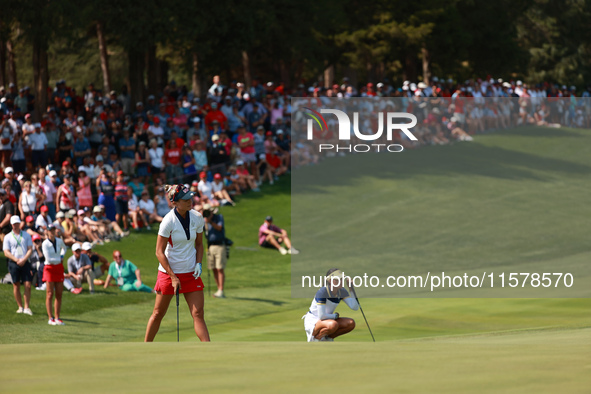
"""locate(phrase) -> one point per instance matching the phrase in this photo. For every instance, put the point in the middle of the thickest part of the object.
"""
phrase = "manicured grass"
(514, 199)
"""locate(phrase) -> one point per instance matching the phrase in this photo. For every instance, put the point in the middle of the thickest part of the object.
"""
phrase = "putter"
(361, 309)
(177, 315)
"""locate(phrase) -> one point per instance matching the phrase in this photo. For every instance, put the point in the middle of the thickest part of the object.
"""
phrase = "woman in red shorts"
(53, 274)
(179, 250)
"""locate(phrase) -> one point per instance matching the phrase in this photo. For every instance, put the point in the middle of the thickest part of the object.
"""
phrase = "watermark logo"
(346, 132)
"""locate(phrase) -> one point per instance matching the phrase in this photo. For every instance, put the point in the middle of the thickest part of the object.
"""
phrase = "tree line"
(289, 41)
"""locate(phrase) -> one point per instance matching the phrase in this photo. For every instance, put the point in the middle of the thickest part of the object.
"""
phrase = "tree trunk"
(100, 33)
(246, 68)
(151, 70)
(3, 63)
(410, 71)
(426, 65)
(137, 60)
(11, 63)
(40, 78)
(161, 74)
(284, 72)
(195, 85)
(329, 76)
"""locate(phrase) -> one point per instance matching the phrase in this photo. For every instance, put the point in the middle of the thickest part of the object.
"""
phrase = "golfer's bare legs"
(345, 325)
(195, 300)
(324, 328)
(160, 308)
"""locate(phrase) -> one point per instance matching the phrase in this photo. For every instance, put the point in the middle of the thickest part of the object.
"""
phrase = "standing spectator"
(121, 201)
(27, 201)
(271, 236)
(127, 148)
(38, 142)
(53, 274)
(162, 203)
(83, 190)
(142, 161)
(156, 154)
(188, 163)
(107, 195)
(6, 212)
(137, 186)
(126, 274)
(64, 148)
(18, 247)
(215, 115)
(200, 155)
(49, 190)
(66, 197)
(216, 247)
(80, 268)
(81, 148)
(6, 136)
(173, 154)
(18, 154)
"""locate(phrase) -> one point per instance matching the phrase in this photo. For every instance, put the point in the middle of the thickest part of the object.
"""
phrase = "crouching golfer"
(179, 250)
(321, 322)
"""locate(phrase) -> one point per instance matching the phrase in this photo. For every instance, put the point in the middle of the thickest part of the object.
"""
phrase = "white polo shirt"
(180, 251)
(53, 251)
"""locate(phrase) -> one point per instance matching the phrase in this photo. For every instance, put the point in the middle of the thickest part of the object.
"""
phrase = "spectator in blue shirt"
(127, 148)
(81, 148)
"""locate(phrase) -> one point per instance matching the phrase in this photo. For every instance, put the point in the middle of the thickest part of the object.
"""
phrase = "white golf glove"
(198, 271)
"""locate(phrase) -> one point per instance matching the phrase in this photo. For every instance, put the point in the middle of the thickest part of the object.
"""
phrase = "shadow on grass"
(272, 302)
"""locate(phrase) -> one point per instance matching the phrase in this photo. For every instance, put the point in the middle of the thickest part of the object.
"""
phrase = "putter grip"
(177, 297)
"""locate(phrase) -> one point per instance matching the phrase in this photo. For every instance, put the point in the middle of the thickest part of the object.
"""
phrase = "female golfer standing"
(53, 274)
(321, 322)
(179, 250)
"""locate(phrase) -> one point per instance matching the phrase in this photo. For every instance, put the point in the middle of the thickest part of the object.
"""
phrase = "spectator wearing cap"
(231, 182)
(259, 141)
(188, 163)
(81, 148)
(99, 263)
(271, 236)
(66, 196)
(43, 220)
(142, 162)
(245, 177)
(100, 164)
(38, 142)
(18, 247)
(53, 249)
(220, 192)
(28, 127)
(206, 190)
(256, 117)
(227, 107)
(127, 149)
(21, 101)
(172, 154)
(27, 203)
(126, 274)
(28, 226)
(80, 268)
(14, 184)
(215, 115)
(106, 198)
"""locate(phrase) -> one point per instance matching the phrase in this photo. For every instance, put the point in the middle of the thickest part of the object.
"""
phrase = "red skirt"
(53, 273)
(188, 283)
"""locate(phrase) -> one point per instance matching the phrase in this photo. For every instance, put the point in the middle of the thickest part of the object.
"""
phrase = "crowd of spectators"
(94, 164)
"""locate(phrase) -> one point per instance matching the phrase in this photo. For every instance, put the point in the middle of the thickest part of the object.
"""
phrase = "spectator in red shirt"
(216, 114)
(172, 155)
(247, 151)
(245, 176)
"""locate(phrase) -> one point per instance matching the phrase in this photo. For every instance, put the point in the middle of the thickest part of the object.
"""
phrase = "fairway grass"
(541, 362)
(442, 345)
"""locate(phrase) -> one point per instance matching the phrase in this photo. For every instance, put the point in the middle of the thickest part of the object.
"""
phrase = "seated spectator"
(142, 162)
(148, 209)
(95, 259)
(43, 220)
(245, 176)
(232, 187)
(206, 191)
(284, 148)
(134, 211)
(80, 268)
(162, 203)
(264, 169)
(188, 163)
(90, 232)
(271, 236)
(220, 192)
(112, 228)
(126, 274)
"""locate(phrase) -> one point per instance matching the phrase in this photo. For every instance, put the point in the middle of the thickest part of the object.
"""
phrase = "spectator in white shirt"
(219, 190)
(156, 154)
(38, 142)
(148, 209)
(135, 212)
(206, 191)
